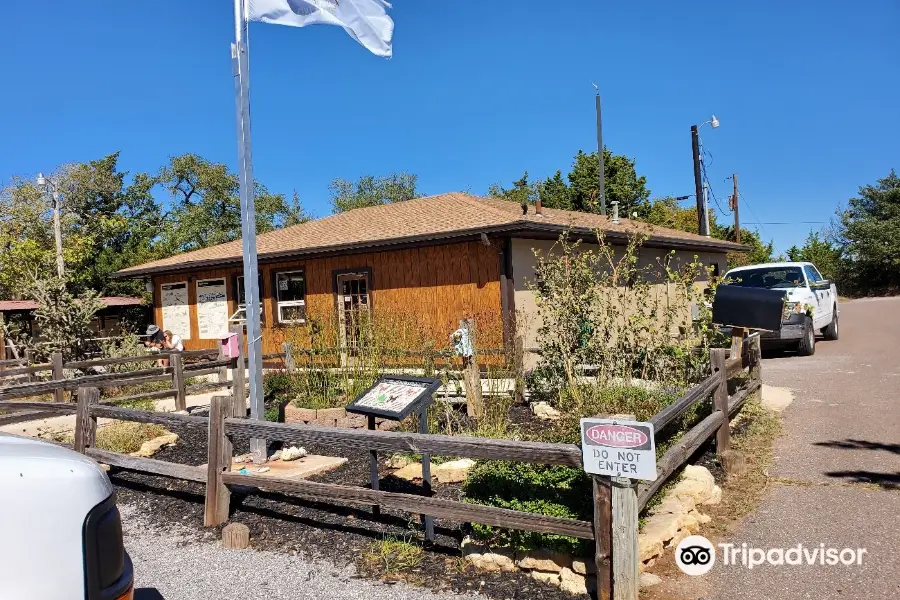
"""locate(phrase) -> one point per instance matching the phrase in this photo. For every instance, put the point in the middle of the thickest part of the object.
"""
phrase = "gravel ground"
(307, 534)
(172, 563)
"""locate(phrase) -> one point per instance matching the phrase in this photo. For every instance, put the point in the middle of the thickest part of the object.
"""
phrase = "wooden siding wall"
(429, 287)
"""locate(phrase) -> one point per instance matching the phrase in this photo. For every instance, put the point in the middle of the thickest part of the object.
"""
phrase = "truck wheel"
(831, 332)
(807, 346)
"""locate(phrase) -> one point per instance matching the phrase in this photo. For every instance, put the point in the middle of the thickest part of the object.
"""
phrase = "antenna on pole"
(601, 184)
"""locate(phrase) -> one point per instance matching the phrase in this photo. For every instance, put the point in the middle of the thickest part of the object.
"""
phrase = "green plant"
(541, 489)
(603, 306)
(123, 437)
(391, 556)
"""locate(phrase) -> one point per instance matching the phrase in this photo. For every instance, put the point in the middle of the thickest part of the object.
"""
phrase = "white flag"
(366, 20)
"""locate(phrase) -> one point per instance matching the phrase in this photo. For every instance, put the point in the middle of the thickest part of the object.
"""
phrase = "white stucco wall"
(524, 263)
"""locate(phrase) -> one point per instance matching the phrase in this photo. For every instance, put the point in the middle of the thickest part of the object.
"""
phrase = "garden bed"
(341, 535)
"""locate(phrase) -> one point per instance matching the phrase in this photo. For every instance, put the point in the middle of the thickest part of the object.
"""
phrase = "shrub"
(123, 437)
(541, 489)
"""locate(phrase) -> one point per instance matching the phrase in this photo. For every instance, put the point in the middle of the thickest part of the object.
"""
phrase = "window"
(240, 315)
(290, 295)
(812, 274)
(773, 278)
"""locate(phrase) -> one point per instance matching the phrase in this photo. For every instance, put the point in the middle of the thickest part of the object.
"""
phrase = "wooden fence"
(182, 365)
(617, 501)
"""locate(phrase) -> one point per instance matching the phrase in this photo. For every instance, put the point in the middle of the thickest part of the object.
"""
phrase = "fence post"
(57, 359)
(756, 358)
(85, 424)
(218, 497)
(717, 358)
(603, 536)
(177, 363)
(288, 350)
(238, 391)
(624, 533)
(29, 376)
(471, 374)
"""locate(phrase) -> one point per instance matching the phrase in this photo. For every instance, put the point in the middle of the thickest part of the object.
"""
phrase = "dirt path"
(836, 469)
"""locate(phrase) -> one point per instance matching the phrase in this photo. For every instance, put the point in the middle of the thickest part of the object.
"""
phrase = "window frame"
(279, 303)
(812, 275)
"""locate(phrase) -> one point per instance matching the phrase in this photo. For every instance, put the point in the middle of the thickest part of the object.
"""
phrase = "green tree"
(521, 192)
(372, 191)
(105, 226)
(827, 257)
(666, 212)
(206, 206)
(760, 252)
(554, 193)
(621, 181)
(868, 232)
(622, 184)
(63, 319)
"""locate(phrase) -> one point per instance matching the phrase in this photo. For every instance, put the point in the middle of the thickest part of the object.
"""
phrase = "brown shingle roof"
(105, 301)
(434, 217)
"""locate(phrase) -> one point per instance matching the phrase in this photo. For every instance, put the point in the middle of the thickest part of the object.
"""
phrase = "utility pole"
(601, 174)
(57, 232)
(734, 208)
(698, 181)
(47, 186)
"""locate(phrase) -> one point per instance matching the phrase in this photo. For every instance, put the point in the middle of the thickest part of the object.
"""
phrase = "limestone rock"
(661, 527)
(677, 539)
(690, 522)
(584, 566)
(552, 578)
(292, 453)
(698, 484)
(572, 582)
(151, 447)
(703, 518)
(544, 560)
(649, 580)
(544, 411)
(496, 560)
(410, 472)
(715, 497)
(455, 471)
(398, 461)
(673, 505)
(649, 547)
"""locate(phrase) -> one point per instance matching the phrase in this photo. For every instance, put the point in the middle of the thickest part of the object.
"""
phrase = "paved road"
(839, 460)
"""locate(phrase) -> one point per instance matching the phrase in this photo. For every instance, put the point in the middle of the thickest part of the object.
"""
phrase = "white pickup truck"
(811, 302)
(62, 537)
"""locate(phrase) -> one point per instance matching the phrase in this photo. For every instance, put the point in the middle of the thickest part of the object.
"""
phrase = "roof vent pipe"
(538, 209)
(615, 211)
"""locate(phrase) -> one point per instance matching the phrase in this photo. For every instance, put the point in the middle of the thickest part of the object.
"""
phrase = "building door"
(354, 306)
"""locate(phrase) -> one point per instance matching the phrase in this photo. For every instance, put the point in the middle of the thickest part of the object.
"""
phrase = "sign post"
(623, 450)
(395, 397)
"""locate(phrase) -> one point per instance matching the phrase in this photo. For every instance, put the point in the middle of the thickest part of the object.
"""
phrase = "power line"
(753, 212)
(709, 185)
(787, 222)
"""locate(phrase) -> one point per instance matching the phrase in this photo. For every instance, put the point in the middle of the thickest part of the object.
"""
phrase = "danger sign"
(618, 448)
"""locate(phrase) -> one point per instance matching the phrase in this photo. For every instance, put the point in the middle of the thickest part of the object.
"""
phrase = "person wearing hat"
(155, 341)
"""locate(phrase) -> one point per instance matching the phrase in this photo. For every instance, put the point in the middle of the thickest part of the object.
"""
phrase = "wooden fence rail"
(617, 503)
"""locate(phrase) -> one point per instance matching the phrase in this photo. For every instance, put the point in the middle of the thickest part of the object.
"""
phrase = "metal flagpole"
(240, 65)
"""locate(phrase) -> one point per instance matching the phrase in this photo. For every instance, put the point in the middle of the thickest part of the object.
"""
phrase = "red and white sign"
(618, 448)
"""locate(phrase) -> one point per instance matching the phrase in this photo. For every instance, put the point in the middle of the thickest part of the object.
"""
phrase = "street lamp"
(47, 186)
(702, 203)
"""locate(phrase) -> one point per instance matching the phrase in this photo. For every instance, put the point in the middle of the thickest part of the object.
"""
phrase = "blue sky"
(476, 93)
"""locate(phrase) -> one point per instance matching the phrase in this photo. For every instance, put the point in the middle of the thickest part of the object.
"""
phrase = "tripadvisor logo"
(696, 555)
